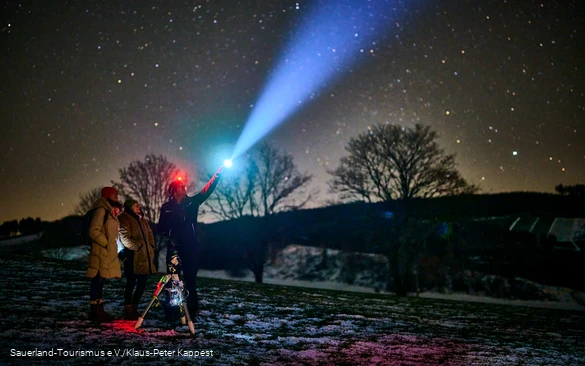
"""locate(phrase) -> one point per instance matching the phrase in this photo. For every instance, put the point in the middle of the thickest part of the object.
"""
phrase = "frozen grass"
(44, 305)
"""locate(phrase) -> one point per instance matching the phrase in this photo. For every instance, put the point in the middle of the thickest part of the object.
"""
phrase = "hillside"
(366, 272)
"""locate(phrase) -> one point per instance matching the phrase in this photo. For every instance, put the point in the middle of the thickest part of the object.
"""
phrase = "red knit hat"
(108, 191)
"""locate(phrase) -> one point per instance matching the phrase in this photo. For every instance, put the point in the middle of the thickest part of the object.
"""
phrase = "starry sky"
(87, 88)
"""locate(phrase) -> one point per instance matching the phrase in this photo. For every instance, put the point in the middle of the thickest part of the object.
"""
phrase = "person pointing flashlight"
(178, 226)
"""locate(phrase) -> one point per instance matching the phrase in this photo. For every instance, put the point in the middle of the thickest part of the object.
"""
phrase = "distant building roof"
(568, 230)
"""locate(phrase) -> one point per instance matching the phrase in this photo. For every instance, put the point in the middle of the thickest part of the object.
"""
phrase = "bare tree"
(235, 195)
(87, 200)
(281, 187)
(147, 182)
(278, 179)
(268, 183)
(390, 163)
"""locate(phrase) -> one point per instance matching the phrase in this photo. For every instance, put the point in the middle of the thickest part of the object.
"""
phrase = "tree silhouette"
(87, 200)
(29, 226)
(148, 181)
(261, 184)
(281, 187)
(571, 190)
(278, 179)
(13, 227)
(234, 197)
(561, 189)
(393, 164)
(264, 183)
(5, 229)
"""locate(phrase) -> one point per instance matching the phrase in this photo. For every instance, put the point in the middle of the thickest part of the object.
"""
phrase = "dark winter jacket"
(136, 235)
(103, 256)
(178, 220)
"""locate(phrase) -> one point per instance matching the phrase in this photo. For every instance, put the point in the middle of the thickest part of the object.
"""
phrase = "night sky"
(87, 88)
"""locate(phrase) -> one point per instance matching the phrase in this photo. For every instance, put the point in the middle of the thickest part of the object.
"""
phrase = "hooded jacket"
(136, 235)
(103, 255)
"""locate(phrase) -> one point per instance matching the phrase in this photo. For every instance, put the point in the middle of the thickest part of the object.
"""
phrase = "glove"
(123, 254)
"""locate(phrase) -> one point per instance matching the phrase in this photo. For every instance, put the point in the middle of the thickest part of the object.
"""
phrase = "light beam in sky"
(333, 36)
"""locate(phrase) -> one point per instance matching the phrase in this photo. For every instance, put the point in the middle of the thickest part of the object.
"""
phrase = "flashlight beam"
(334, 35)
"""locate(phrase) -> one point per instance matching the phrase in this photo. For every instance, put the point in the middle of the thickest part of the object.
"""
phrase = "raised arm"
(209, 187)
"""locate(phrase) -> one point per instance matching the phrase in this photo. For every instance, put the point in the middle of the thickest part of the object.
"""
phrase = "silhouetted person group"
(114, 225)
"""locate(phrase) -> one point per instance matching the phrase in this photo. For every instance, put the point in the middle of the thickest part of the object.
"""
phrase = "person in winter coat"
(103, 256)
(178, 226)
(138, 240)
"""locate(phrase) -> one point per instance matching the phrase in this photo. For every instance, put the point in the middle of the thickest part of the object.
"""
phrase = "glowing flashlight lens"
(227, 163)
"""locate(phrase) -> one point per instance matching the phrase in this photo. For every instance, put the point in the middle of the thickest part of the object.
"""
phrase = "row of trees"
(385, 164)
(388, 164)
(571, 190)
(24, 227)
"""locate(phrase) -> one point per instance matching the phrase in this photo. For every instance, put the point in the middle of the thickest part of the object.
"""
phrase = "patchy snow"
(44, 310)
(291, 264)
(564, 301)
(70, 254)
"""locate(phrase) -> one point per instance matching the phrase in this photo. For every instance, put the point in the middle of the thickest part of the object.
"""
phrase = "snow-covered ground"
(296, 262)
(43, 320)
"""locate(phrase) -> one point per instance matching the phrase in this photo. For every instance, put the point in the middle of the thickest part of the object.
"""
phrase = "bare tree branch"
(233, 197)
(87, 200)
(148, 181)
(390, 162)
(259, 185)
(278, 179)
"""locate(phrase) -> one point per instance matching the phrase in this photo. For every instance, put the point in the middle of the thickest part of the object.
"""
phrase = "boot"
(105, 317)
(93, 311)
(136, 312)
(131, 312)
